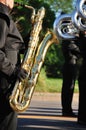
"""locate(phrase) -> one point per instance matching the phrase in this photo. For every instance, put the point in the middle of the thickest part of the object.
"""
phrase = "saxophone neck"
(28, 7)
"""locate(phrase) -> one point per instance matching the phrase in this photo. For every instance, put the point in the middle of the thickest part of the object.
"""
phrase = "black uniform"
(71, 53)
(11, 43)
(82, 83)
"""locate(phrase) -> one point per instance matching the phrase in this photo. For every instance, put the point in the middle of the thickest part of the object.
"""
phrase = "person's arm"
(5, 65)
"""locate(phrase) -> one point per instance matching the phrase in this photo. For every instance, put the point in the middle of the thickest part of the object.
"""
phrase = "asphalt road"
(44, 113)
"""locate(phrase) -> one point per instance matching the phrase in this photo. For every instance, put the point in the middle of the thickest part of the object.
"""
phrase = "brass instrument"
(81, 8)
(22, 93)
(64, 28)
(68, 26)
(79, 22)
(79, 15)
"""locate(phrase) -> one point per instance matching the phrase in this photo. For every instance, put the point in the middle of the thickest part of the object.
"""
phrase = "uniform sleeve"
(5, 65)
(3, 32)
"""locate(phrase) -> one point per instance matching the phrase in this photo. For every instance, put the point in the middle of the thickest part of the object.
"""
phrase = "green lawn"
(45, 84)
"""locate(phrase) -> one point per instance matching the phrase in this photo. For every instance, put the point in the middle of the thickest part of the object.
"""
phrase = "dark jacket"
(71, 49)
(11, 43)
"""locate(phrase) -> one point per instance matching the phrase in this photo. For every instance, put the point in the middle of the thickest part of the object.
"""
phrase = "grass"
(45, 84)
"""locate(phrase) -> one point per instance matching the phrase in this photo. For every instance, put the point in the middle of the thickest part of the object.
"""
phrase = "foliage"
(22, 1)
(46, 84)
(22, 17)
(54, 61)
(65, 5)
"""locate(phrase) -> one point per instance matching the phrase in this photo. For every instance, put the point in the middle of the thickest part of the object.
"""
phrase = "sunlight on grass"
(45, 84)
(76, 87)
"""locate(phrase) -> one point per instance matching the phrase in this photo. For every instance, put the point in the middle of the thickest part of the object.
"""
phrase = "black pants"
(69, 76)
(82, 87)
(8, 122)
(71, 54)
(82, 94)
(8, 118)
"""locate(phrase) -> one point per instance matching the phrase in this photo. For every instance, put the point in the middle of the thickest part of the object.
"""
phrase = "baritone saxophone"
(21, 95)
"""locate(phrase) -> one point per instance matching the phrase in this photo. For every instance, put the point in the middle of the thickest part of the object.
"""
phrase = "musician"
(71, 53)
(11, 44)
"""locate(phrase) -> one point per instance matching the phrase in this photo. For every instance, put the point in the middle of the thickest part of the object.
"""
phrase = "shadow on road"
(47, 115)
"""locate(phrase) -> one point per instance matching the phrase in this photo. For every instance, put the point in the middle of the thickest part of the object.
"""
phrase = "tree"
(54, 61)
(64, 5)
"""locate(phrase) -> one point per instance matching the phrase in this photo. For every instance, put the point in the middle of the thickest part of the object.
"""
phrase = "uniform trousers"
(8, 117)
(82, 85)
(8, 122)
(71, 53)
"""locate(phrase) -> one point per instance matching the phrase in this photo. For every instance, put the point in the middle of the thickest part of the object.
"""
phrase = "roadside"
(53, 96)
(44, 113)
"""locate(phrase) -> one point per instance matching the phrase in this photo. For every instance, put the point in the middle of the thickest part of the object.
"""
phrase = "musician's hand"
(17, 74)
(20, 73)
(9, 3)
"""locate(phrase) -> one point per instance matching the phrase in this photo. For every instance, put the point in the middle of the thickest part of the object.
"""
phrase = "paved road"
(44, 113)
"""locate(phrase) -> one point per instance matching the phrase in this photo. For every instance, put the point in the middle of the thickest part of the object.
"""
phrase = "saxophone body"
(22, 93)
